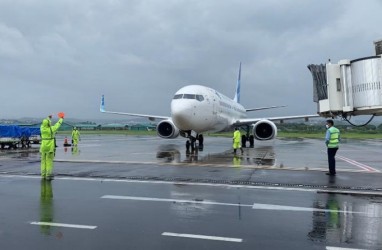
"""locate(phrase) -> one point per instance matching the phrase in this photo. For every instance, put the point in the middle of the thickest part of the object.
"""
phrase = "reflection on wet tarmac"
(187, 211)
(20, 153)
(46, 206)
(264, 156)
(335, 227)
(168, 153)
(288, 154)
(75, 150)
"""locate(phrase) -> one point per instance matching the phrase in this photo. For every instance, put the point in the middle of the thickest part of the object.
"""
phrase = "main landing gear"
(247, 137)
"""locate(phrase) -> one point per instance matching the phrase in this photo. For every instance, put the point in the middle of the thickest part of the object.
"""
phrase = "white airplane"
(197, 109)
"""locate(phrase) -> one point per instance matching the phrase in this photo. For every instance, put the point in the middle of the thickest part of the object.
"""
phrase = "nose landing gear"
(191, 142)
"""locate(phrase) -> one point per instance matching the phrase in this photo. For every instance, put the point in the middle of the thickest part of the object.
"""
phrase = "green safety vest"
(334, 137)
(47, 135)
(236, 136)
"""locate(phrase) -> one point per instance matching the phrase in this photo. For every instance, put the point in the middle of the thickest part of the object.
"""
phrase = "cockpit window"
(188, 96)
(178, 96)
(200, 98)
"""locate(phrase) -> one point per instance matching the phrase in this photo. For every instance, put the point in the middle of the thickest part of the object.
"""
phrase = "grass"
(344, 135)
(111, 132)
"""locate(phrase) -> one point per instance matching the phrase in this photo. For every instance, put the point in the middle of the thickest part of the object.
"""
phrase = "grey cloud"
(63, 55)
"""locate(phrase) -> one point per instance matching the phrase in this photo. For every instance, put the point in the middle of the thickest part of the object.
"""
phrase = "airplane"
(197, 109)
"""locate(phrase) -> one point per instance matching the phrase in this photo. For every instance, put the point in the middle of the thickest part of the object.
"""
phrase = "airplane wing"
(262, 108)
(254, 120)
(150, 117)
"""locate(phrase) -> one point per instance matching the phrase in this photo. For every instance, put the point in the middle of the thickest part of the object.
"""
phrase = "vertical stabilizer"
(102, 105)
(237, 93)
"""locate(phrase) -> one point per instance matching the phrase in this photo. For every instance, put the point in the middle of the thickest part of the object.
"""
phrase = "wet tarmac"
(126, 192)
(289, 162)
(86, 213)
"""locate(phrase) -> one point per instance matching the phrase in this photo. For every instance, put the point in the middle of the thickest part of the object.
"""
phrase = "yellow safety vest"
(334, 137)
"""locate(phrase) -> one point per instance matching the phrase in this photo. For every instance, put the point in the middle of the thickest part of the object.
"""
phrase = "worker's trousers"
(46, 164)
(236, 145)
(332, 160)
(75, 141)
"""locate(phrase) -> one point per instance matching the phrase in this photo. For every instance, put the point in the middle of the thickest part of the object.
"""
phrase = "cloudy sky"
(63, 55)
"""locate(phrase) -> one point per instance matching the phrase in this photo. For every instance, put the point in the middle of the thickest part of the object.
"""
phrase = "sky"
(63, 55)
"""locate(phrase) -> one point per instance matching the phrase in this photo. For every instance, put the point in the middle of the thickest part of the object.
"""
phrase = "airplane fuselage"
(202, 109)
(197, 109)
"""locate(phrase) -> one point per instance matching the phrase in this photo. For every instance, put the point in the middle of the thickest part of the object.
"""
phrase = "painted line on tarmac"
(222, 185)
(358, 164)
(158, 164)
(256, 206)
(342, 248)
(203, 237)
(41, 223)
(259, 206)
(199, 164)
(137, 198)
(6, 175)
(187, 164)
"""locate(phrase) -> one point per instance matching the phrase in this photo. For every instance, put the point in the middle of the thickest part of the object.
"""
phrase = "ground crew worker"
(332, 140)
(75, 136)
(236, 141)
(47, 146)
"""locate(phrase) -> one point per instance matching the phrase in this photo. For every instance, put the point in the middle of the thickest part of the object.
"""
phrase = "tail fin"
(237, 93)
(102, 106)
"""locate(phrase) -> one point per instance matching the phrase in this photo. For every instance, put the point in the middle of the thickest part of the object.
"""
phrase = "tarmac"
(143, 192)
(295, 163)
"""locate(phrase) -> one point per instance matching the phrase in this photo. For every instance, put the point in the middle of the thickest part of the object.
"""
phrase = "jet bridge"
(349, 87)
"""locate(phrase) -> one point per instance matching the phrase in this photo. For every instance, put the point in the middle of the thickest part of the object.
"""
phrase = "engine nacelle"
(264, 130)
(167, 129)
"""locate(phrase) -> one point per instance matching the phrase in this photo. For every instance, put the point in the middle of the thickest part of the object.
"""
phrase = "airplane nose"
(181, 116)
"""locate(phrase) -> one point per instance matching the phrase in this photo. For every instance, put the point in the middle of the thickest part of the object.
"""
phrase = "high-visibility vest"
(237, 136)
(47, 135)
(334, 137)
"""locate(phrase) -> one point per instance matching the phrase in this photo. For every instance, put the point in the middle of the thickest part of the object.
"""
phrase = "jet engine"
(166, 129)
(264, 130)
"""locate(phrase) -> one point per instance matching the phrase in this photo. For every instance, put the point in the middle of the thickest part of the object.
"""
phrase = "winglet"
(102, 106)
(237, 93)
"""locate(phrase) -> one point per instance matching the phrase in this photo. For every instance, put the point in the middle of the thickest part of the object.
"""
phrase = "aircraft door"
(214, 106)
